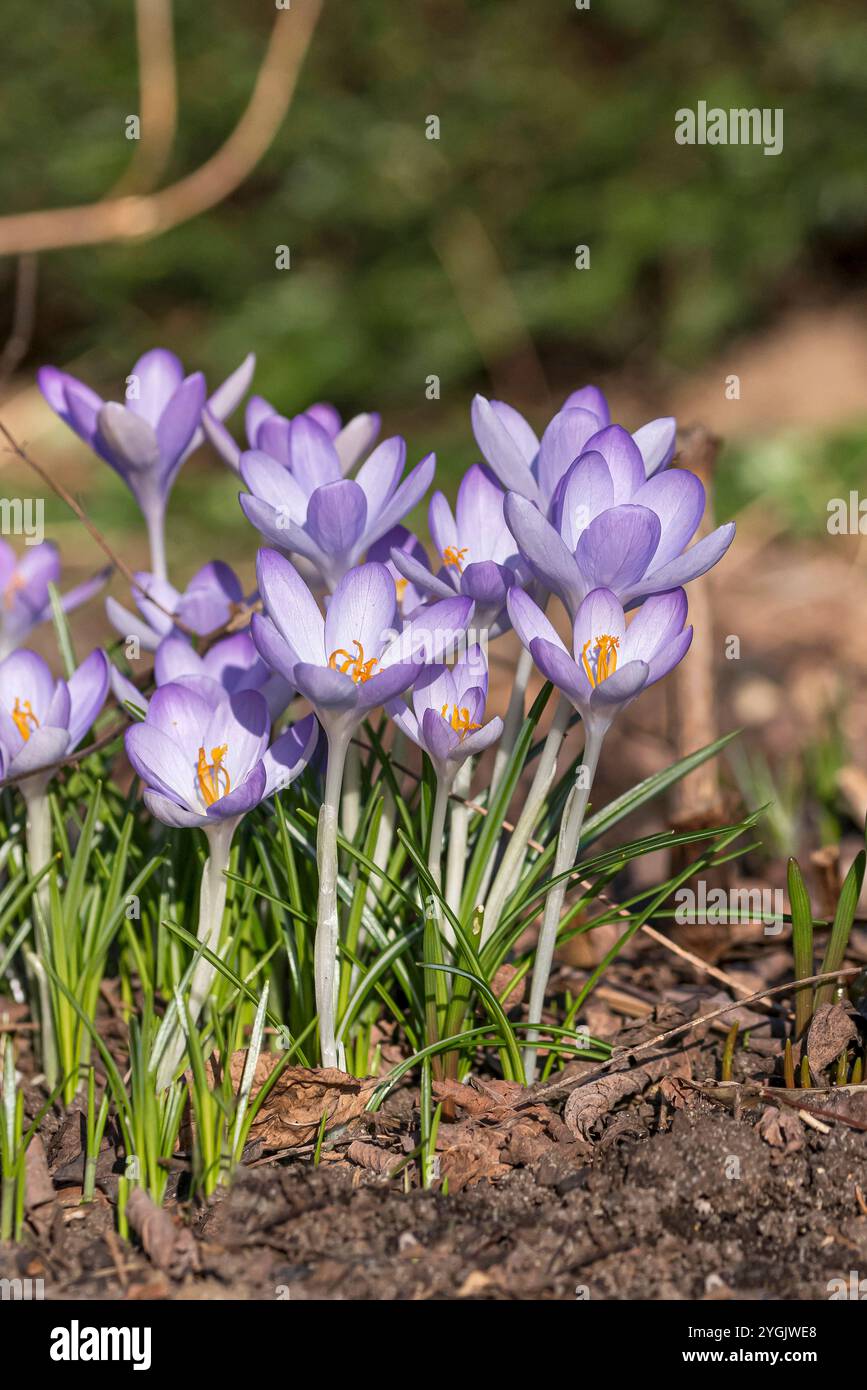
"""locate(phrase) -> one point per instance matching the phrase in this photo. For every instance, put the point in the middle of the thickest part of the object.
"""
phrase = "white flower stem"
(37, 831)
(456, 859)
(513, 720)
(513, 858)
(327, 927)
(212, 904)
(350, 806)
(155, 520)
(567, 850)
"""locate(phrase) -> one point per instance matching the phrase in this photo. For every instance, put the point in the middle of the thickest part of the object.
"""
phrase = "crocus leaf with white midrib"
(610, 664)
(146, 438)
(303, 503)
(346, 664)
(205, 760)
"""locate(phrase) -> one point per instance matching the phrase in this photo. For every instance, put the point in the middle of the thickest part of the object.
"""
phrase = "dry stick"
(23, 316)
(120, 219)
(558, 1089)
(158, 99)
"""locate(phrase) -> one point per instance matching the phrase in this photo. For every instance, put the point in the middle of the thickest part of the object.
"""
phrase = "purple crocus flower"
(203, 754)
(212, 597)
(354, 658)
(447, 716)
(533, 468)
(232, 663)
(148, 437)
(612, 528)
(409, 596)
(610, 662)
(24, 598)
(43, 719)
(271, 432)
(301, 502)
(479, 557)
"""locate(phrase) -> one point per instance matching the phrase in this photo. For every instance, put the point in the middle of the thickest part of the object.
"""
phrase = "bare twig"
(147, 215)
(23, 316)
(158, 98)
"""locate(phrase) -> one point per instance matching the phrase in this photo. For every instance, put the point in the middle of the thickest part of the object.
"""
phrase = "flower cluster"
(350, 614)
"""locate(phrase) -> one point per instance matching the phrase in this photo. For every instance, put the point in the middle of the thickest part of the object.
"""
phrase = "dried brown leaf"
(831, 1030)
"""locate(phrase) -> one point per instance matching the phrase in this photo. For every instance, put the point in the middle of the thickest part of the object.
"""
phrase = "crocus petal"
(617, 547)
(125, 692)
(353, 441)
(501, 451)
(152, 382)
(273, 649)
(658, 621)
(160, 762)
(487, 583)
(256, 412)
(383, 686)
(407, 496)
(25, 675)
(291, 606)
(180, 714)
(325, 688)
(362, 610)
(478, 740)
(438, 630)
(529, 621)
(678, 498)
(443, 528)
(279, 529)
(599, 615)
(592, 399)
(242, 723)
(404, 718)
(623, 686)
(273, 483)
(180, 421)
(419, 575)
(231, 392)
(274, 438)
(624, 460)
(544, 551)
(694, 562)
(88, 687)
(235, 663)
(314, 458)
(434, 689)
(438, 736)
(289, 754)
(336, 516)
(565, 438)
(657, 441)
(129, 442)
(45, 746)
(667, 657)
(171, 812)
(523, 434)
(175, 657)
(379, 476)
(242, 797)
(217, 434)
(131, 625)
(556, 665)
(587, 491)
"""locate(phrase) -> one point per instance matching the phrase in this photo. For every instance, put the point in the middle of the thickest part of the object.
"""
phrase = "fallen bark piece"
(170, 1248)
(375, 1160)
(291, 1114)
(782, 1129)
(831, 1030)
(38, 1187)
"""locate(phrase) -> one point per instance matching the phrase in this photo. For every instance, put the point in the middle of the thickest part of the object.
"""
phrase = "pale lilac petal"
(481, 527)
(362, 610)
(257, 410)
(408, 495)
(278, 528)
(171, 812)
(434, 688)
(273, 649)
(243, 724)
(487, 583)
(161, 763)
(314, 458)
(273, 483)
(175, 657)
(694, 562)
(235, 663)
(599, 615)
(336, 518)
(45, 746)
(383, 686)
(523, 434)
(544, 551)
(231, 392)
(125, 692)
(438, 736)
(529, 621)
(154, 379)
(477, 740)
(129, 442)
(130, 625)
(444, 531)
(626, 682)
(242, 797)
(587, 491)
(557, 666)
(217, 435)
(353, 441)
(289, 754)
(26, 676)
(291, 606)
(667, 657)
(565, 438)
(180, 714)
(438, 631)
(657, 441)
(658, 621)
(502, 451)
(325, 688)
(419, 575)
(88, 687)
(326, 416)
(179, 423)
(592, 399)
(623, 458)
(617, 547)
(274, 438)
(471, 671)
(379, 476)
(678, 499)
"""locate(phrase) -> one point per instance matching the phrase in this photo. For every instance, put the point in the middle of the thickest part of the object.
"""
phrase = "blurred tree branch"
(147, 215)
(158, 98)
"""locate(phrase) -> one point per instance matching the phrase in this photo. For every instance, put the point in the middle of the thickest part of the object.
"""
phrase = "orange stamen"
(453, 556)
(209, 774)
(16, 582)
(355, 666)
(606, 658)
(25, 719)
(459, 719)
